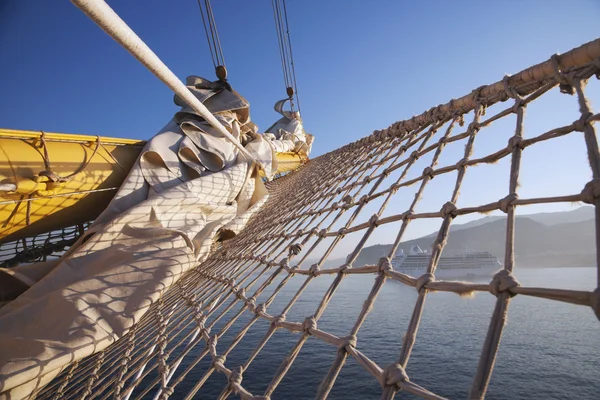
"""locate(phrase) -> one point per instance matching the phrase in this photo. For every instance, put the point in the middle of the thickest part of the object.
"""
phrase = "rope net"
(187, 339)
(42, 247)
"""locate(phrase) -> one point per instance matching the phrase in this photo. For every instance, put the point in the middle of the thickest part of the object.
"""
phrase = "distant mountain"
(578, 215)
(548, 239)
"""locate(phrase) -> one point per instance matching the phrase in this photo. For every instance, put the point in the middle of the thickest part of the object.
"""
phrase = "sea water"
(549, 349)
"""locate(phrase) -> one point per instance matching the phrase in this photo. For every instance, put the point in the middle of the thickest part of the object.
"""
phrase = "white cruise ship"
(467, 264)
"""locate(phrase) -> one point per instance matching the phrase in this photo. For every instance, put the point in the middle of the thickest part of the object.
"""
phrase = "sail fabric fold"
(189, 189)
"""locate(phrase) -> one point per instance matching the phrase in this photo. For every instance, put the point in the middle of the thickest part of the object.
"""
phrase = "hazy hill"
(548, 239)
(578, 215)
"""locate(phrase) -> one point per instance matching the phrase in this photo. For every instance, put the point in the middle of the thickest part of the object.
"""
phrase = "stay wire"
(212, 35)
(291, 56)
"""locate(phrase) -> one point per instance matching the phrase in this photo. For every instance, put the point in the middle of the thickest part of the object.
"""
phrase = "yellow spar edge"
(62, 179)
(58, 179)
(67, 137)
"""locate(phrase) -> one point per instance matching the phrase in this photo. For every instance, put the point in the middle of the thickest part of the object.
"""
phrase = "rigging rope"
(212, 37)
(285, 51)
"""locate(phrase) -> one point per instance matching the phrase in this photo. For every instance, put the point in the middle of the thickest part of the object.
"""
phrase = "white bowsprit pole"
(104, 16)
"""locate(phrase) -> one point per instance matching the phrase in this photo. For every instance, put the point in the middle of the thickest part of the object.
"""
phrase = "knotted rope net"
(184, 341)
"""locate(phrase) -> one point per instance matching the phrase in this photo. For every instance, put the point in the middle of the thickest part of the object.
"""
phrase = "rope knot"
(345, 268)
(367, 180)
(347, 341)
(335, 206)
(583, 121)
(473, 127)
(507, 202)
(394, 187)
(342, 231)
(414, 156)
(563, 83)
(308, 324)
(374, 220)
(503, 281)
(423, 280)
(285, 263)
(461, 163)
(52, 176)
(393, 375)
(314, 231)
(347, 199)
(314, 269)
(219, 361)
(591, 191)
(403, 148)
(407, 215)
(386, 172)
(428, 172)
(448, 210)
(251, 303)
(385, 265)
(364, 199)
(295, 249)
(241, 293)
(277, 320)
(261, 309)
(167, 390)
(514, 142)
(235, 378)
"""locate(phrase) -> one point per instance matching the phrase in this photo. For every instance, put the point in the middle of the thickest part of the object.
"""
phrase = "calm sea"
(549, 350)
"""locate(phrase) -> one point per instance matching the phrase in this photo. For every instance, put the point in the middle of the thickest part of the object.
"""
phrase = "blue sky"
(361, 65)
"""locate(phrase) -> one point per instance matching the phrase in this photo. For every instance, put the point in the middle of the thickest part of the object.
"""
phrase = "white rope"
(104, 16)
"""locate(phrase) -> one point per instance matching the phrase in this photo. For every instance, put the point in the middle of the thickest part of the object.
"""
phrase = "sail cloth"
(189, 188)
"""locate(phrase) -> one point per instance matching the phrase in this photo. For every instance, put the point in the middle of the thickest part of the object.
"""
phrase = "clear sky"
(361, 65)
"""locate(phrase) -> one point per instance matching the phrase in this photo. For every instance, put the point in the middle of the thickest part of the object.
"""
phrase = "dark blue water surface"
(549, 350)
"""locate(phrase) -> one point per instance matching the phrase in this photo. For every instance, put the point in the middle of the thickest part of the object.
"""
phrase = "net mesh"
(43, 247)
(185, 339)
